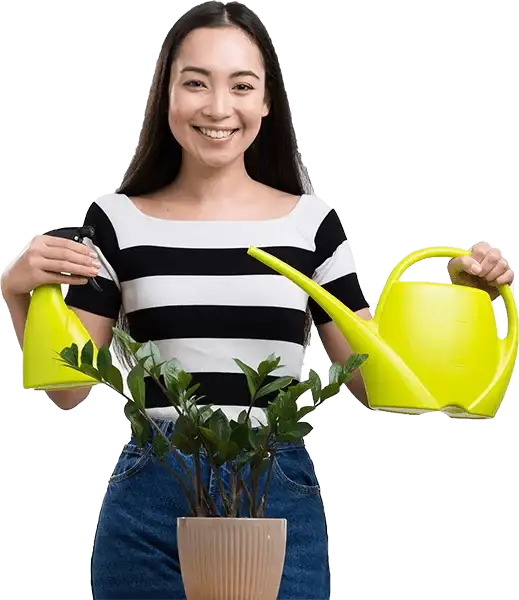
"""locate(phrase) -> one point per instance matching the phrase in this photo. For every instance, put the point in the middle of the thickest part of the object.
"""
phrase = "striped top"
(191, 288)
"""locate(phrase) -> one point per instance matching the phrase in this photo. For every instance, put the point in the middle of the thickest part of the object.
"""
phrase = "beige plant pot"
(231, 558)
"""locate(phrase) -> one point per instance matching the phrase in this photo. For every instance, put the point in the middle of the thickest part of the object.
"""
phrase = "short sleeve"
(335, 268)
(105, 302)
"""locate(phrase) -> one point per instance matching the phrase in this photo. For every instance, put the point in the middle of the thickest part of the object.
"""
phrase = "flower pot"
(231, 558)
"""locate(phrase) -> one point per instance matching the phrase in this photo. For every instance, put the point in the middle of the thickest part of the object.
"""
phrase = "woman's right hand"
(49, 259)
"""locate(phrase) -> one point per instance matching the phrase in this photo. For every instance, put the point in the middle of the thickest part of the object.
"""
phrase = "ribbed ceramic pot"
(231, 558)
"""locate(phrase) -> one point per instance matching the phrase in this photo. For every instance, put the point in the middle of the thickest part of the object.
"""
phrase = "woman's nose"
(219, 105)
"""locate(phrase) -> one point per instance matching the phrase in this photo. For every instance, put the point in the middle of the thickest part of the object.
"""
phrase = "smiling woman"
(215, 171)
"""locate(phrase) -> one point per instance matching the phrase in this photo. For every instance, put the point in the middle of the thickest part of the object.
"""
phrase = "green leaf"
(126, 340)
(287, 407)
(219, 423)
(91, 372)
(87, 354)
(210, 435)
(184, 379)
(271, 363)
(335, 373)
(251, 375)
(297, 390)
(242, 417)
(205, 412)
(70, 355)
(183, 443)
(258, 437)
(295, 433)
(137, 386)
(330, 390)
(114, 377)
(241, 435)
(170, 371)
(303, 411)
(160, 447)
(192, 390)
(104, 361)
(140, 425)
(354, 362)
(185, 426)
(273, 386)
(227, 451)
(315, 382)
(148, 354)
(272, 415)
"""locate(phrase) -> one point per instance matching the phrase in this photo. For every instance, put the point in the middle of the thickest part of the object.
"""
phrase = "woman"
(216, 170)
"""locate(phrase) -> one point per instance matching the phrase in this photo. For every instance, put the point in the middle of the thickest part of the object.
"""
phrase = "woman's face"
(217, 95)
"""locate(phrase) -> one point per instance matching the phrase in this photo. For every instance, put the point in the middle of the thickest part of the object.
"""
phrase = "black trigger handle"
(77, 234)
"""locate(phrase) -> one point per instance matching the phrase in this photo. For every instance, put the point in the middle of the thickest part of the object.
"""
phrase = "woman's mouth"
(215, 134)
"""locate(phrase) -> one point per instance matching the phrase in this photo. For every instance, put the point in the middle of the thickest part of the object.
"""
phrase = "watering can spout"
(347, 320)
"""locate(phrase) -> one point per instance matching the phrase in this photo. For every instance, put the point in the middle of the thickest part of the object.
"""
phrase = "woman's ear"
(266, 105)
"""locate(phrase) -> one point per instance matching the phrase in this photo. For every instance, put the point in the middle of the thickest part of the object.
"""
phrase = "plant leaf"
(220, 425)
(210, 435)
(315, 382)
(183, 443)
(160, 447)
(136, 385)
(126, 339)
(335, 372)
(251, 375)
(273, 386)
(241, 435)
(104, 361)
(70, 355)
(271, 363)
(91, 372)
(303, 411)
(295, 433)
(140, 426)
(114, 377)
(354, 361)
(87, 354)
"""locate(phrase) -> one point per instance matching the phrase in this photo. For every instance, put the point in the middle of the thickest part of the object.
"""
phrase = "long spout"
(353, 327)
(384, 370)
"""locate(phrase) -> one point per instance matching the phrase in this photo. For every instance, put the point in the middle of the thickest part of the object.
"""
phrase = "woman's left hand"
(484, 269)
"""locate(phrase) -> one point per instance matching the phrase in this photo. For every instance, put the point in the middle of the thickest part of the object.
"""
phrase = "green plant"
(202, 430)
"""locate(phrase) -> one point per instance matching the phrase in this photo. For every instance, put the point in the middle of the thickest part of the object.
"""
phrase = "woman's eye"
(244, 87)
(193, 83)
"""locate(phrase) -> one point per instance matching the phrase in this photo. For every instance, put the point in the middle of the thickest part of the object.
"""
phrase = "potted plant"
(247, 449)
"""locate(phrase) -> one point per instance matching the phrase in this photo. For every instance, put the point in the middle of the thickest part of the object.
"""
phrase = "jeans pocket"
(294, 469)
(131, 460)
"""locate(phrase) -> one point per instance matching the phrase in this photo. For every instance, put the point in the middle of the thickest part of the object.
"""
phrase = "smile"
(216, 134)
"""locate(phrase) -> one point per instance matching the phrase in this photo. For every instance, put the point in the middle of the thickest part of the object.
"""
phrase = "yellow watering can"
(51, 326)
(431, 346)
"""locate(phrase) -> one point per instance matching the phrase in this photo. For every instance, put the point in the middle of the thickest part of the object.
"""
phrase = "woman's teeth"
(216, 133)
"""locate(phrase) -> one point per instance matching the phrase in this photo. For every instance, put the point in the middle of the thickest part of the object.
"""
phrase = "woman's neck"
(201, 184)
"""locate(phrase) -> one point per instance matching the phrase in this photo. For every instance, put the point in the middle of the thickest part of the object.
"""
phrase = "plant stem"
(198, 475)
(242, 484)
(267, 483)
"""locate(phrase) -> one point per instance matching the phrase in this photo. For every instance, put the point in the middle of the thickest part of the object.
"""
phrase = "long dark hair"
(272, 159)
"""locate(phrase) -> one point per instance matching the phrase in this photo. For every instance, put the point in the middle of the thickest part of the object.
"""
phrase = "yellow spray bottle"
(51, 326)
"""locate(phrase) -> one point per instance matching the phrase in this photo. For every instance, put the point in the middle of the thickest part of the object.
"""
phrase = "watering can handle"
(446, 251)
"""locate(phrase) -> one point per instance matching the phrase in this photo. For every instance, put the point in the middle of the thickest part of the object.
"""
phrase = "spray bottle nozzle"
(77, 234)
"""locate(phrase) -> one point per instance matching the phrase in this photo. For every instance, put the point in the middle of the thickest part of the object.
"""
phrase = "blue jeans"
(135, 555)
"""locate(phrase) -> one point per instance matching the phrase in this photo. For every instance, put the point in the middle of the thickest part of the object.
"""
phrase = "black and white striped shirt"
(191, 288)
